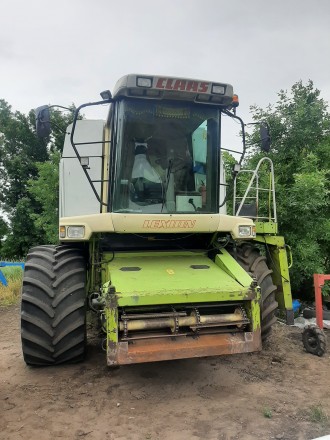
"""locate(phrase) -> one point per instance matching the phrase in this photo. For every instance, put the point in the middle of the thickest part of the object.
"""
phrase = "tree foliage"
(20, 149)
(300, 131)
(45, 190)
(29, 180)
(3, 233)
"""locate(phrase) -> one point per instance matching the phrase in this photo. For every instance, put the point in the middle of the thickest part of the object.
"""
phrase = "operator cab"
(160, 150)
(166, 157)
(166, 137)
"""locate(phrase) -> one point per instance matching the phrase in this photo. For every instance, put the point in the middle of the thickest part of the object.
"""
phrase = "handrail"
(255, 179)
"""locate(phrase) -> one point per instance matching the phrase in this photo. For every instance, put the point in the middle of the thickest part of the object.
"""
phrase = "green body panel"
(168, 278)
(111, 315)
(266, 228)
(278, 262)
(252, 309)
(227, 263)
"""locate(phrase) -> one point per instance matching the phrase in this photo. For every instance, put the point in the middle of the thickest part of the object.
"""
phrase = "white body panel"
(160, 223)
(76, 195)
(222, 188)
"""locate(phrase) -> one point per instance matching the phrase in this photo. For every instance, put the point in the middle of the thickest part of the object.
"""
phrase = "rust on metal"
(152, 350)
(319, 280)
(112, 353)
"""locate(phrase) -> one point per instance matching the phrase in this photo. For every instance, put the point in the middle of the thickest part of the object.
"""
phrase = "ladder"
(255, 197)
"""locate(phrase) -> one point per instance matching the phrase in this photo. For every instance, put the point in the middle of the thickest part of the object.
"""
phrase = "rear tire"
(250, 259)
(53, 310)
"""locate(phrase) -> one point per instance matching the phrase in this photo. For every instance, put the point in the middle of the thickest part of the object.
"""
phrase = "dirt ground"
(280, 393)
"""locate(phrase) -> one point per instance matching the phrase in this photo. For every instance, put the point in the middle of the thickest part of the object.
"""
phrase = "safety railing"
(248, 204)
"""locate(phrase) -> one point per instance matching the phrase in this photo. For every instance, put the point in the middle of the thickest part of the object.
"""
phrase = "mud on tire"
(53, 310)
(250, 259)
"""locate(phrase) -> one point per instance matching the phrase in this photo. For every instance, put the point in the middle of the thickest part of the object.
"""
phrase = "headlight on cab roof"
(247, 231)
(143, 82)
(75, 231)
(218, 89)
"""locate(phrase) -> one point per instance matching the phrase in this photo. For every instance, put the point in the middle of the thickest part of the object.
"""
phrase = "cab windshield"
(166, 158)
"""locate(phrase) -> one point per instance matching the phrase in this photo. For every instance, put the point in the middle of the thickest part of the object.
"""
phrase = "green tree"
(25, 161)
(3, 233)
(20, 150)
(22, 233)
(300, 131)
(45, 190)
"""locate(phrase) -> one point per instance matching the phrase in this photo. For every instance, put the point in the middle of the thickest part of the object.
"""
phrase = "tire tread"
(53, 309)
(252, 261)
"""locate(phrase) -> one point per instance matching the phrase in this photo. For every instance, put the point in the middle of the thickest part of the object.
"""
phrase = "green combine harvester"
(145, 239)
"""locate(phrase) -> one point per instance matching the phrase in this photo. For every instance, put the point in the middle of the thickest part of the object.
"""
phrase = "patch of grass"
(267, 412)
(11, 294)
(317, 414)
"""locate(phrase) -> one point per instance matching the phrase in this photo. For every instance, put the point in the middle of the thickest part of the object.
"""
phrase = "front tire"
(53, 310)
(250, 259)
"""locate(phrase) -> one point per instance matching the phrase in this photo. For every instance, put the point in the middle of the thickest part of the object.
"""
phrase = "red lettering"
(169, 84)
(160, 83)
(179, 85)
(192, 86)
(203, 87)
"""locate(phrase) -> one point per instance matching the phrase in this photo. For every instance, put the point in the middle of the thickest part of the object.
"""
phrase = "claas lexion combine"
(145, 239)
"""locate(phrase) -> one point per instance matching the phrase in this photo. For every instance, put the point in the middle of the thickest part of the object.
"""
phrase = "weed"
(11, 294)
(267, 412)
(317, 414)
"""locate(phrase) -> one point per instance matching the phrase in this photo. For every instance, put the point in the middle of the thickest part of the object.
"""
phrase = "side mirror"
(43, 121)
(265, 137)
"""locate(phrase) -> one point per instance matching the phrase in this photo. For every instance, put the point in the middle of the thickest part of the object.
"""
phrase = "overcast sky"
(61, 52)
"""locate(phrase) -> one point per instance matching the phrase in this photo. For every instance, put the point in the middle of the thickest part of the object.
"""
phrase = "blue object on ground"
(3, 279)
(5, 264)
(296, 305)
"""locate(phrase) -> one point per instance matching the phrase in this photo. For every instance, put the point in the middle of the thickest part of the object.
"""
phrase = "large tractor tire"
(53, 311)
(250, 259)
